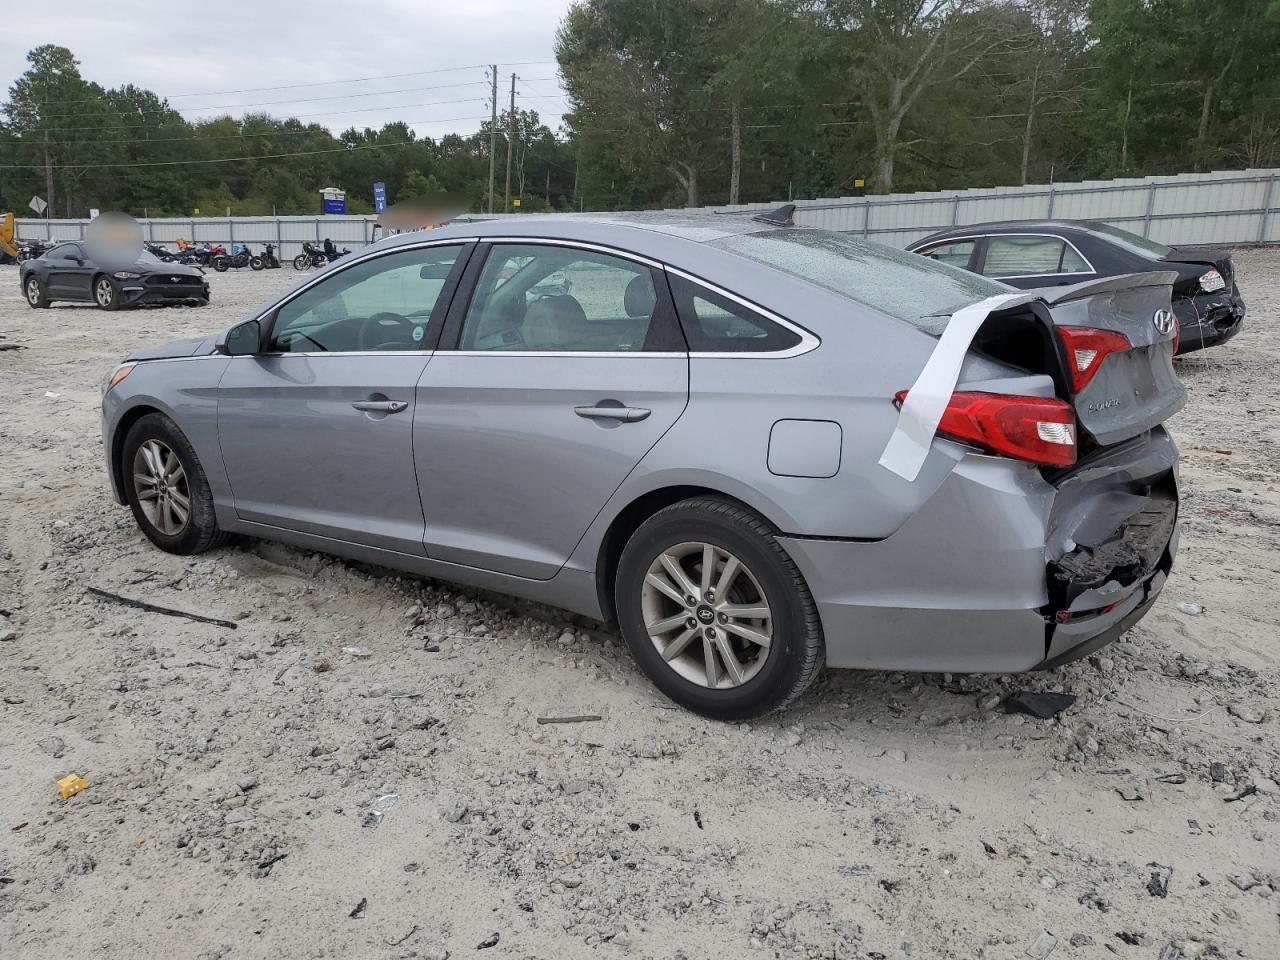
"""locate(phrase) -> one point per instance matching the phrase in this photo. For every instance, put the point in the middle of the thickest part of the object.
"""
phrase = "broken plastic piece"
(1190, 608)
(1042, 705)
(359, 652)
(71, 784)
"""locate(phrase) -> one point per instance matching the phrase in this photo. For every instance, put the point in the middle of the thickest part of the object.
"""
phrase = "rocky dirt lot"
(259, 792)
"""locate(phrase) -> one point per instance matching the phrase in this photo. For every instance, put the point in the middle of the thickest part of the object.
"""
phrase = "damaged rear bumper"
(1208, 319)
(1004, 570)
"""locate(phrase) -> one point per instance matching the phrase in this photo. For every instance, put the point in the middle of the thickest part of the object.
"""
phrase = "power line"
(174, 163)
(317, 83)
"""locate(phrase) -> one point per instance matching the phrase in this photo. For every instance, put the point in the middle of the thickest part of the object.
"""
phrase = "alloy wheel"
(160, 483)
(707, 615)
(104, 292)
(33, 291)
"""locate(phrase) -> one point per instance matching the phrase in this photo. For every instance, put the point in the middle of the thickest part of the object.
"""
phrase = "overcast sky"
(211, 49)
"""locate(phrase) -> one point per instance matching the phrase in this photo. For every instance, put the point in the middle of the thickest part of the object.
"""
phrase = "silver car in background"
(673, 423)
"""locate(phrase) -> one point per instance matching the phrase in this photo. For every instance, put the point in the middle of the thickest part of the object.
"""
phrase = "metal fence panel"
(1225, 207)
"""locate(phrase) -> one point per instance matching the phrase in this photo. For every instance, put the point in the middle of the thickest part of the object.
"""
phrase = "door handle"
(623, 414)
(381, 406)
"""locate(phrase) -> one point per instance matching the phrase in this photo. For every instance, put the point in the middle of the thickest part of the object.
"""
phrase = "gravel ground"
(234, 775)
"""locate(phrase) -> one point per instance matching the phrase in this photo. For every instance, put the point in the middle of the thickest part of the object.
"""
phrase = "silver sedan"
(677, 424)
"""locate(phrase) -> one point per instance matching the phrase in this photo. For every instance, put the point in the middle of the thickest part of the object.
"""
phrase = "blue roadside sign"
(379, 197)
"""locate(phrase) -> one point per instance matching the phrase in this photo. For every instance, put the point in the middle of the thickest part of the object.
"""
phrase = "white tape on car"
(929, 395)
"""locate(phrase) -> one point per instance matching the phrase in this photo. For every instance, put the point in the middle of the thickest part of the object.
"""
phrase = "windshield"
(903, 285)
(1131, 241)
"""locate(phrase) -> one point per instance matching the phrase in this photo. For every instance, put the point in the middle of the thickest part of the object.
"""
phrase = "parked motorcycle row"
(214, 255)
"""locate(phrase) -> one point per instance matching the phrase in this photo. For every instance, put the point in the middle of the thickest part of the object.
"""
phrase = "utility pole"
(493, 130)
(511, 135)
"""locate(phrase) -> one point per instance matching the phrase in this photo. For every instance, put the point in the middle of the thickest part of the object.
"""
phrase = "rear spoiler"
(1089, 288)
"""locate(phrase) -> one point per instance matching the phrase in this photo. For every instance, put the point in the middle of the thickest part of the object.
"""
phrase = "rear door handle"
(623, 414)
(381, 406)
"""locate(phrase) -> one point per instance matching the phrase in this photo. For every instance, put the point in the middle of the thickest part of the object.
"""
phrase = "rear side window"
(1029, 256)
(715, 324)
(956, 254)
(903, 285)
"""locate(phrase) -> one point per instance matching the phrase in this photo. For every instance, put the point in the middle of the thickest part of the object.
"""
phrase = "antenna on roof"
(782, 217)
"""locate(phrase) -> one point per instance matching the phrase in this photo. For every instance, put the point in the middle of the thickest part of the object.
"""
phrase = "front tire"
(167, 489)
(301, 261)
(256, 263)
(715, 611)
(220, 264)
(105, 295)
(37, 295)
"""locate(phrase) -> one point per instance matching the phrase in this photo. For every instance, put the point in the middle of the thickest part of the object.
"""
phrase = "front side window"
(715, 324)
(67, 251)
(1029, 256)
(561, 299)
(957, 254)
(386, 303)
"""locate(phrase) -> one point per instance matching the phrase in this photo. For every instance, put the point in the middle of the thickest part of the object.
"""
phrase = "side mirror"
(242, 340)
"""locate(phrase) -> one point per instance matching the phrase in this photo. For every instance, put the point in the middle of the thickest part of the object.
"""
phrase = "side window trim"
(985, 242)
(666, 323)
(267, 318)
(973, 251)
(808, 341)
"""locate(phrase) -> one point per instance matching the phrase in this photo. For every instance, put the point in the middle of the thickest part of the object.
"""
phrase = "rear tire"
(37, 295)
(220, 264)
(764, 617)
(256, 263)
(167, 489)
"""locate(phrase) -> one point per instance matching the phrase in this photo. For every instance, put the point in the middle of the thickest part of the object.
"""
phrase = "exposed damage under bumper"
(1208, 318)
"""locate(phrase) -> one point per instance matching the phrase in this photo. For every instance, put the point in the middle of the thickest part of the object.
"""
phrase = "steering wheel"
(386, 330)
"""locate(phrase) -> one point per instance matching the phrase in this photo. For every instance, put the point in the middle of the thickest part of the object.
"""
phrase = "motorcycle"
(240, 256)
(30, 249)
(267, 260)
(313, 256)
(161, 253)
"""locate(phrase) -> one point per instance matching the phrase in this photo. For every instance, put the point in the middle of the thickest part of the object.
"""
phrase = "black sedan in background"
(1044, 253)
(67, 272)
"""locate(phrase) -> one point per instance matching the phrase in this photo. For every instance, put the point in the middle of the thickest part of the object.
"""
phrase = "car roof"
(654, 233)
(1012, 226)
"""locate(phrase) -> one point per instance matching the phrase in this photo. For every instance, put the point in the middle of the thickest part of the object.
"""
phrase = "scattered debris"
(152, 608)
(584, 718)
(1191, 608)
(71, 784)
(378, 807)
(1045, 706)
(490, 941)
(399, 940)
(360, 653)
(358, 912)
(1158, 885)
(1218, 772)
(697, 818)
(1042, 946)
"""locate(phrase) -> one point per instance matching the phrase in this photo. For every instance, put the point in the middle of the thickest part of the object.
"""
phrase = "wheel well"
(625, 524)
(125, 424)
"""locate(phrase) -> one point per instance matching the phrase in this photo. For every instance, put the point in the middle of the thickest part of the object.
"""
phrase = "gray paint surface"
(489, 478)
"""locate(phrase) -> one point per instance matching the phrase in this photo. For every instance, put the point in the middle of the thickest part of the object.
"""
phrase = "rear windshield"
(903, 285)
(1131, 241)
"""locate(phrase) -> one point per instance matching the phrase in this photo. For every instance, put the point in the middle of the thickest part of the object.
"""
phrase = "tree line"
(711, 101)
(81, 146)
(689, 102)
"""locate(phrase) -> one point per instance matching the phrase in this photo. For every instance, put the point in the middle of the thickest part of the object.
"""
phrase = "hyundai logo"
(1164, 321)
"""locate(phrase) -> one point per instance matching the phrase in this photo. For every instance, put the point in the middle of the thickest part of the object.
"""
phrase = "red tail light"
(1087, 348)
(1036, 429)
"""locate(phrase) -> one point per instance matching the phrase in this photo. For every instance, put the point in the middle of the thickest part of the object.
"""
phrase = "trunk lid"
(1133, 389)
(1203, 256)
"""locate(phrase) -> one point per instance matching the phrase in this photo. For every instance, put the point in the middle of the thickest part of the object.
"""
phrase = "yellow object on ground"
(7, 245)
(71, 784)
